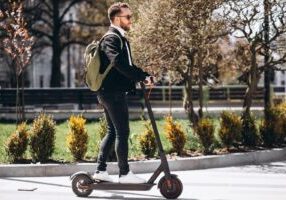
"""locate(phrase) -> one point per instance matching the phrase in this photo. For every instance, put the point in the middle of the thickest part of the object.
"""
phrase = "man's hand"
(149, 81)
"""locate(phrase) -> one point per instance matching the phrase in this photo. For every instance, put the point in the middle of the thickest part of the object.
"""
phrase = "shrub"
(249, 131)
(147, 141)
(175, 134)
(17, 143)
(77, 137)
(100, 133)
(273, 131)
(42, 140)
(102, 130)
(230, 128)
(205, 132)
(280, 122)
(267, 133)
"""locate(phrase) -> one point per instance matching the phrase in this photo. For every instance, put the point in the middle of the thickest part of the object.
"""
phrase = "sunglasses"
(128, 17)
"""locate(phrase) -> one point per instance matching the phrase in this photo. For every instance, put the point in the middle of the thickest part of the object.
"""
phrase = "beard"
(125, 27)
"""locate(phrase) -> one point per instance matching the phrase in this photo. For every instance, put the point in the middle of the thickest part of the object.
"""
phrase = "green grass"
(62, 154)
(5, 131)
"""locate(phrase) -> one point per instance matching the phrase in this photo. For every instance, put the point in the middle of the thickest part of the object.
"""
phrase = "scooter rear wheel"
(170, 188)
(80, 181)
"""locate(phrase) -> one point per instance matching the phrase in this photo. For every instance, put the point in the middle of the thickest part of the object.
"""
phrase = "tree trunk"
(170, 99)
(267, 71)
(252, 84)
(188, 102)
(56, 48)
(22, 97)
(17, 100)
(201, 94)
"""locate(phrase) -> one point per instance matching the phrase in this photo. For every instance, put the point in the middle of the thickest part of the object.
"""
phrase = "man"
(121, 79)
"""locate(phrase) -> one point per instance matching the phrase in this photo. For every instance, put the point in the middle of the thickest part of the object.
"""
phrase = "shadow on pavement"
(267, 168)
(37, 182)
(120, 195)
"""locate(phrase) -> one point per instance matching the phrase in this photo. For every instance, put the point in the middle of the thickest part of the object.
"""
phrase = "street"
(253, 182)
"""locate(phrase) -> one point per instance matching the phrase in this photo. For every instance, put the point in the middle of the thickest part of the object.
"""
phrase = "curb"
(134, 113)
(180, 164)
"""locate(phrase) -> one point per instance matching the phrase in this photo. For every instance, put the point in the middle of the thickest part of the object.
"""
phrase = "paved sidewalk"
(252, 182)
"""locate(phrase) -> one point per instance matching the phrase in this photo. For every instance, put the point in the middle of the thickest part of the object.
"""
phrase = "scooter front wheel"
(170, 188)
(80, 185)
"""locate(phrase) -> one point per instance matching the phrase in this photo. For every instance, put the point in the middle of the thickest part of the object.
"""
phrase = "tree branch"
(48, 6)
(41, 33)
(66, 10)
(85, 24)
(66, 44)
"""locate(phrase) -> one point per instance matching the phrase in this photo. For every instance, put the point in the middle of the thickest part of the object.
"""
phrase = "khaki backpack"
(93, 78)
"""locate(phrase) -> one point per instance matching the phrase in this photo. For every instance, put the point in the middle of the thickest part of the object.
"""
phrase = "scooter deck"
(117, 186)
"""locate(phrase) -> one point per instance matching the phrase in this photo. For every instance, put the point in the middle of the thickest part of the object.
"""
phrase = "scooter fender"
(80, 173)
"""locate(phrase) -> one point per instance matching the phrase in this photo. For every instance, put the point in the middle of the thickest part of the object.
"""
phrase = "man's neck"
(122, 32)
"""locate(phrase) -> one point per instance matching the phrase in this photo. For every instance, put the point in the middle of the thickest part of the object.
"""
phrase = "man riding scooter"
(121, 79)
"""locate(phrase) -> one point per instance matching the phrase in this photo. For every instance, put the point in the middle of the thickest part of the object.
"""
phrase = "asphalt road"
(253, 182)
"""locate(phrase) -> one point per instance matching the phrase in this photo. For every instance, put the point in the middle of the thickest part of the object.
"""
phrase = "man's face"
(125, 19)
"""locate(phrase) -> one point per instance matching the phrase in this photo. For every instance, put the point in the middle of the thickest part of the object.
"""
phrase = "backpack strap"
(121, 45)
(111, 33)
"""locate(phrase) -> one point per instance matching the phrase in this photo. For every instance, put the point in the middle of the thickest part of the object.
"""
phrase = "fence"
(83, 96)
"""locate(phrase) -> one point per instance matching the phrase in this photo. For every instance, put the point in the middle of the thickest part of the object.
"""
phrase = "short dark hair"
(115, 9)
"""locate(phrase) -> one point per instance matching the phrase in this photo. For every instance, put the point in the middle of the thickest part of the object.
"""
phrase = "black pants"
(116, 113)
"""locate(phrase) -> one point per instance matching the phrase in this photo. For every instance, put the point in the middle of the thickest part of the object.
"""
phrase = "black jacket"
(122, 76)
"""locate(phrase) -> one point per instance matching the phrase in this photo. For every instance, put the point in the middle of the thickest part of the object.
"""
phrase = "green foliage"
(17, 143)
(205, 131)
(42, 140)
(267, 133)
(102, 130)
(280, 123)
(230, 128)
(175, 134)
(249, 131)
(147, 141)
(77, 137)
(273, 130)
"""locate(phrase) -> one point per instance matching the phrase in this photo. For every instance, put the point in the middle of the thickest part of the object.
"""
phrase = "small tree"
(77, 137)
(249, 131)
(230, 128)
(273, 130)
(42, 139)
(147, 141)
(17, 143)
(17, 43)
(175, 134)
(205, 133)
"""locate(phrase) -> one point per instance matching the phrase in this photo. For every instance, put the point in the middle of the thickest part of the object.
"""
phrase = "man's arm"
(112, 48)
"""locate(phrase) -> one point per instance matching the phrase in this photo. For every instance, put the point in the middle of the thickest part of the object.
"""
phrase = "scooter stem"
(156, 132)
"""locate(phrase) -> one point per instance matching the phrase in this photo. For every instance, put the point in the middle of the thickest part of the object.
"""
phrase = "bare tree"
(247, 21)
(50, 23)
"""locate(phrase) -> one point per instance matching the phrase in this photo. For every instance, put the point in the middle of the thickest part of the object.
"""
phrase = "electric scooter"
(169, 185)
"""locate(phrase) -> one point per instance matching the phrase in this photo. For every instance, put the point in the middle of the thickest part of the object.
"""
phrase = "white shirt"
(122, 32)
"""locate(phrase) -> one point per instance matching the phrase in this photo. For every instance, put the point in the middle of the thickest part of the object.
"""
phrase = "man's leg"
(106, 144)
(115, 105)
